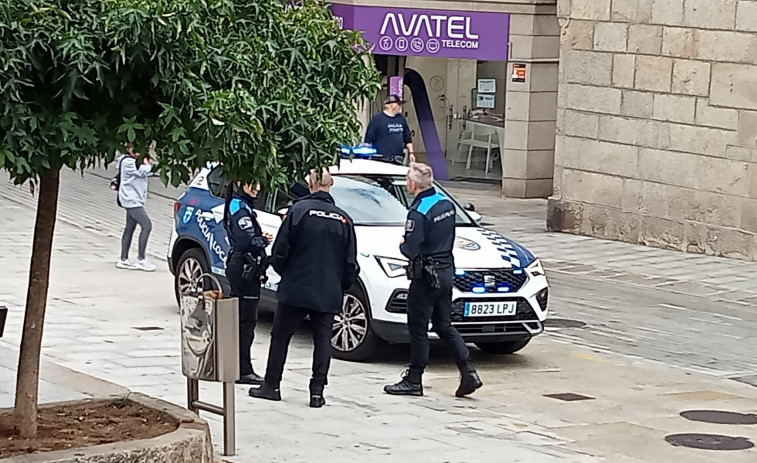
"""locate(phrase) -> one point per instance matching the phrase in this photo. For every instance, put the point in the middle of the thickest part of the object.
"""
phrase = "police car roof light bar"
(363, 152)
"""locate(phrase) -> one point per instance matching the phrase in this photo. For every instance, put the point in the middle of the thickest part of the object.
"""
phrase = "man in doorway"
(389, 133)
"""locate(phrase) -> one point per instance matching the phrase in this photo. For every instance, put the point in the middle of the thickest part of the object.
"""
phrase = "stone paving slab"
(95, 311)
(524, 221)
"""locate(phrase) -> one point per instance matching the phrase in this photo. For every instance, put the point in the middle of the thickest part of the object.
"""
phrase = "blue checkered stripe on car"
(503, 245)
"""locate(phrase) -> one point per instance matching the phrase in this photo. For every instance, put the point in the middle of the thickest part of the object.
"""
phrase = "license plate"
(490, 309)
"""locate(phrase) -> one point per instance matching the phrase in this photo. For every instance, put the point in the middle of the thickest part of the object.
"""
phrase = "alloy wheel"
(350, 326)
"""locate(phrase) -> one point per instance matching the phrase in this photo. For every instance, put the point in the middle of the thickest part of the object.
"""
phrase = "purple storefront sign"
(396, 86)
(434, 33)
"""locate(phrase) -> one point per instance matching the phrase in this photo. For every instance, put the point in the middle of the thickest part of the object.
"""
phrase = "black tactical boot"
(252, 378)
(316, 393)
(317, 400)
(410, 385)
(266, 391)
(469, 380)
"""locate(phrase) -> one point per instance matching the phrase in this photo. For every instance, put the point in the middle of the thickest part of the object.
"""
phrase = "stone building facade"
(657, 124)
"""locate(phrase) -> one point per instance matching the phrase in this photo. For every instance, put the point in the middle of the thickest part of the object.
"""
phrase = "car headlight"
(536, 268)
(392, 267)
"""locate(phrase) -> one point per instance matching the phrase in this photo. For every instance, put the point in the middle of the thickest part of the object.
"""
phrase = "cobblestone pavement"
(123, 327)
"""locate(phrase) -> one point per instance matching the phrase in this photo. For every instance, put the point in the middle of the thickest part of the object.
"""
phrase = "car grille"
(524, 312)
(489, 328)
(505, 280)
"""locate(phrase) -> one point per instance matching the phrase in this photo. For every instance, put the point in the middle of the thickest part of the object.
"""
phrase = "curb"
(190, 443)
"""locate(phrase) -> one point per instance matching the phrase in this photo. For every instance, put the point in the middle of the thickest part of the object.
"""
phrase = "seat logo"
(490, 281)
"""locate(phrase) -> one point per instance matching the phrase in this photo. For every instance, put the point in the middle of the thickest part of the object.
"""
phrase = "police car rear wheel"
(503, 348)
(191, 265)
(352, 337)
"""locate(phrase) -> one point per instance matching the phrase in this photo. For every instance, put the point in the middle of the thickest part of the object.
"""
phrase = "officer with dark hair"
(315, 253)
(428, 242)
(245, 267)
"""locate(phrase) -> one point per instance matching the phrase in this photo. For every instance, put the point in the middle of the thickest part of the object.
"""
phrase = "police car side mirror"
(469, 207)
(476, 217)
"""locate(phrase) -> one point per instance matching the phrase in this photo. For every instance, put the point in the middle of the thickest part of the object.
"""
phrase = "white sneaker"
(126, 264)
(145, 265)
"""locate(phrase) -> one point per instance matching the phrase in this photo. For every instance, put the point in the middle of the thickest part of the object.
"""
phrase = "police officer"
(428, 241)
(315, 254)
(245, 267)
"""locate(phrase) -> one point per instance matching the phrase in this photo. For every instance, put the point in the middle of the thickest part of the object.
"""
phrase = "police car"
(500, 289)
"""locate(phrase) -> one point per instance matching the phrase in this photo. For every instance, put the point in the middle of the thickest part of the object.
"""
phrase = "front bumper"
(525, 323)
(397, 333)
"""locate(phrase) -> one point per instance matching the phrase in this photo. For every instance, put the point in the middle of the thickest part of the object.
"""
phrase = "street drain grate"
(563, 323)
(709, 441)
(569, 397)
(719, 417)
(148, 328)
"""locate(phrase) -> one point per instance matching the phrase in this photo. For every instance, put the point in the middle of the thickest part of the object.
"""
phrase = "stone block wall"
(657, 124)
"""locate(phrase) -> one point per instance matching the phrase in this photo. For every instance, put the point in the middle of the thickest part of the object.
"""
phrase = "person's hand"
(402, 240)
(268, 236)
(412, 157)
(146, 161)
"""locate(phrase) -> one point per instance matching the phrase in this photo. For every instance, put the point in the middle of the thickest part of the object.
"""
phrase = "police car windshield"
(379, 200)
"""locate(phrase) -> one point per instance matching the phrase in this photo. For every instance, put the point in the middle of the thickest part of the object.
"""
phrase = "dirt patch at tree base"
(84, 425)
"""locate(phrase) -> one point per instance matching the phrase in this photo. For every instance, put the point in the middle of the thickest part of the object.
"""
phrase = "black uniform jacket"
(316, 255)
(243, 229)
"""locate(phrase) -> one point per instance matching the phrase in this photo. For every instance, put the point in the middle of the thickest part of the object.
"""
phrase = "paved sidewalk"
(723, 279)
(56, 384)
(122, 327)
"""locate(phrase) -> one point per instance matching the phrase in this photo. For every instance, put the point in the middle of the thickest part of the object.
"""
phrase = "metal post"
(229, 433)
(193, 394)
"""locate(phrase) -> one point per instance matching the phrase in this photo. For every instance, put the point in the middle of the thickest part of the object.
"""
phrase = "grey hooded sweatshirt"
(133, 189)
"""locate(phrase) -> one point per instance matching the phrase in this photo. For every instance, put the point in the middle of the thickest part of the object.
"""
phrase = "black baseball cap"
(394, 99)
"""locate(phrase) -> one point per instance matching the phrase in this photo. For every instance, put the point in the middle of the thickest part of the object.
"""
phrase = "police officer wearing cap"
(245, 267)
(389, 132)
(428, 241)
(315, 254)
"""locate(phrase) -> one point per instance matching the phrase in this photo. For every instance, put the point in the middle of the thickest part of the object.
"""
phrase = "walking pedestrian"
(132, 195)
(429, 237)
(316, 255)
(389, 132)
(245, 267)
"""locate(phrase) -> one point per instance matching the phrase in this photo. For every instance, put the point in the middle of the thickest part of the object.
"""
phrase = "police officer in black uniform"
(316, 255)
(245, 267)
(429, 237)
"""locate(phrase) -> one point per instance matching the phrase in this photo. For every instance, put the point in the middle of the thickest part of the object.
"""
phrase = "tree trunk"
(27, 380)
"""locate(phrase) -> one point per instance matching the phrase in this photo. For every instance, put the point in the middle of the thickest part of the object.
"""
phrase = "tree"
(268, 91)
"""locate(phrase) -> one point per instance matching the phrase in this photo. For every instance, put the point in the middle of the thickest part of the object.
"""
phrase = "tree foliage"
(268, 91)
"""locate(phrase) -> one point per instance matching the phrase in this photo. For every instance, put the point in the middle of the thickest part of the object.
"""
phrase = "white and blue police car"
(500, 289)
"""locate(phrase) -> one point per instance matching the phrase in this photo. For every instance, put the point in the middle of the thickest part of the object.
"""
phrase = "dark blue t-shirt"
(388, 135)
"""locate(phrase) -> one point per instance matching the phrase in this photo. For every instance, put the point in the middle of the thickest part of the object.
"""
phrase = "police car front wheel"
(352, 337)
